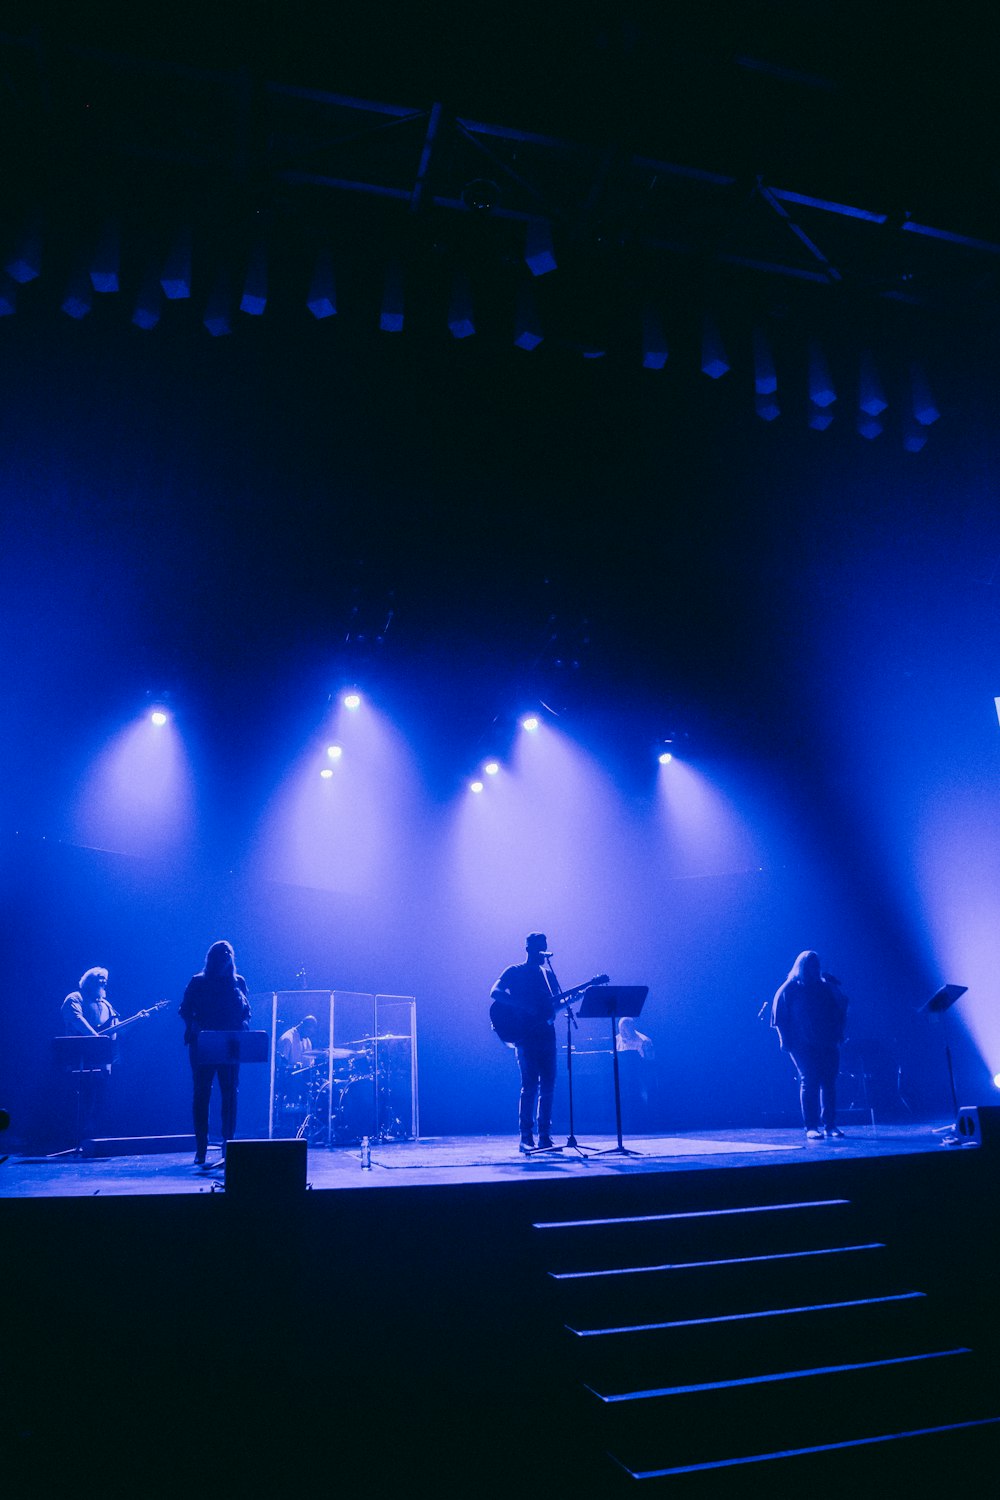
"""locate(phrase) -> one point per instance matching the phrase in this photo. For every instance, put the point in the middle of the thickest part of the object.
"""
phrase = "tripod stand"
(613, 1001)
(572, 1144)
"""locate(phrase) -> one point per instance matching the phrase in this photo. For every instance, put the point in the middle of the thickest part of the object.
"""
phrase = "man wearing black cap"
(527, 989)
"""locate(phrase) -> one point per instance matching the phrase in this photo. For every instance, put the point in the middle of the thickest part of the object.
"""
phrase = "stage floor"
(437, 1161)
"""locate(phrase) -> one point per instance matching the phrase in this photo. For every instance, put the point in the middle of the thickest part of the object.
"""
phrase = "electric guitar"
(512, 1022)
(113, 1026)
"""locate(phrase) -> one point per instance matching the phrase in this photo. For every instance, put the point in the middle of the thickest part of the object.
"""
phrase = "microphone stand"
(572, 1144)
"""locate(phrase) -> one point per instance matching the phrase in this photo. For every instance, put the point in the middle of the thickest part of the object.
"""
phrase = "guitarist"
(87, 1011)
(528, 989)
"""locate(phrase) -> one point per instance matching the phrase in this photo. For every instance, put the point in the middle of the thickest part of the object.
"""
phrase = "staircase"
(778, 1343)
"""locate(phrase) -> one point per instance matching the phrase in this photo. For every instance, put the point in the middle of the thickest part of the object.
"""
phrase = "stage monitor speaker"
(265, 1171)
(979, 1125)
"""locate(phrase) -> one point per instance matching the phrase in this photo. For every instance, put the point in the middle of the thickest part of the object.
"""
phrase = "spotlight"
(530, 723)
(996, 1080)
(352, 700)
(392, 314)
(822, 392)
(158, 717)
(539, 253)
(334, 752)
(714, 360)
(475, 786)
(491, 767)
(480, 196)
(326, 773)
(665, 749)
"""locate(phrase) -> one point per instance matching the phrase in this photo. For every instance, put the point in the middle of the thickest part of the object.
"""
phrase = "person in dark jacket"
(527, 990)
(215, 1000)
(808, 1012)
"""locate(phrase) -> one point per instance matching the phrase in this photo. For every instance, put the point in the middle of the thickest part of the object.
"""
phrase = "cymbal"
(388, 1037)
(342, 1053)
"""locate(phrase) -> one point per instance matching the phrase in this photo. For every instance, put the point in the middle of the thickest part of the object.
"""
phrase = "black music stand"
(613, 1001)
(942, 1000)
(81, 1055)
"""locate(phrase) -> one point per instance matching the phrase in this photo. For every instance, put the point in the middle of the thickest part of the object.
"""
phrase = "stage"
(456, 1160)
(725, 1309)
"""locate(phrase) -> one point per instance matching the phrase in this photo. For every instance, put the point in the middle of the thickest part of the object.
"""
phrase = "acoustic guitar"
(512, 1022)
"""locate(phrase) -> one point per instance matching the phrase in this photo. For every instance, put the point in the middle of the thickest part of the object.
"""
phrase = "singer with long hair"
(809, 1012)
(215, 1000)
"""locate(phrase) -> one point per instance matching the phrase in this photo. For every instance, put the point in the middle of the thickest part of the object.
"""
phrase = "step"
(587, 1244)
(693, 1423)
(717, 1286)
(916, 1463)
(689, 1349)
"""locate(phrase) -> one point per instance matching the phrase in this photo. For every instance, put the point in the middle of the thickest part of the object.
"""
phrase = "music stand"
(941, 1001)
(613, 1001)
(81, 1055)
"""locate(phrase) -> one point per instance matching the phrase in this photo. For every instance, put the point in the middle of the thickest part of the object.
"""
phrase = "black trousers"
(536, 1058)
(817, 1069)
(229, 1084)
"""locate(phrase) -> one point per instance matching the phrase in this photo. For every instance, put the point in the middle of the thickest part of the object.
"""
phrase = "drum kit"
(361, 1080)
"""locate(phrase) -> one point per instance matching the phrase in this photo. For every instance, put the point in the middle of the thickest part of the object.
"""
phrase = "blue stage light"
(530, 723)
(352, 700)
(158, 717)
(475, 786)
(665, 757)
(996, 1080)
(491, 767)
(334, 752)
(326, 773)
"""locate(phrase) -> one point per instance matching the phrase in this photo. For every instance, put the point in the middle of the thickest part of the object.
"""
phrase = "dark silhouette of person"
(529, 989)
(808, 1012)
(215, 1000)
(87, 1011)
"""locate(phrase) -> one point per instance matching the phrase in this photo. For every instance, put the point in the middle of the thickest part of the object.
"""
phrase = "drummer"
(295, 1046)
